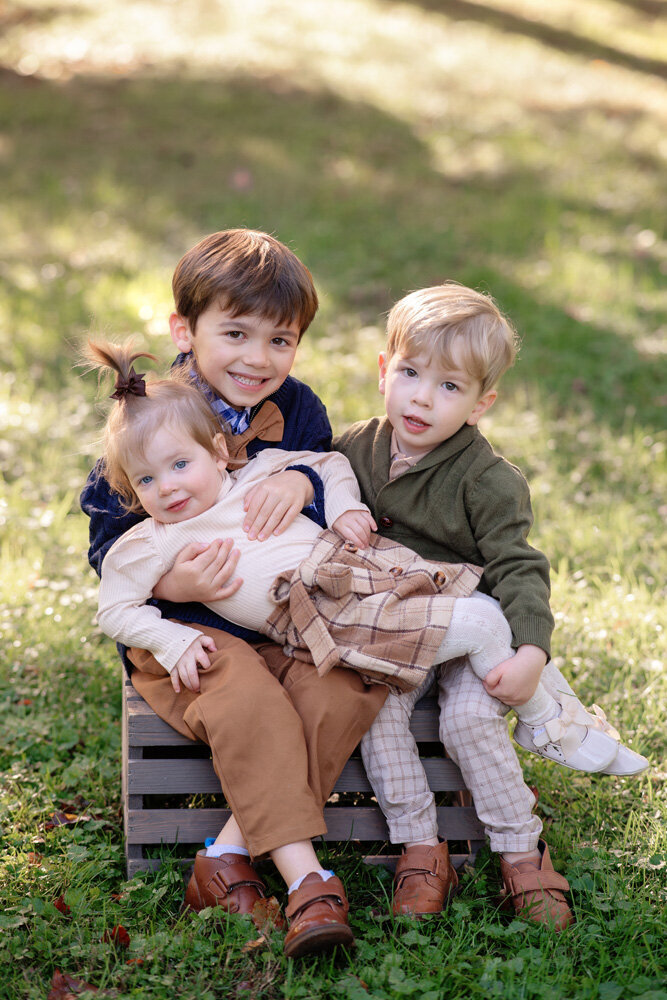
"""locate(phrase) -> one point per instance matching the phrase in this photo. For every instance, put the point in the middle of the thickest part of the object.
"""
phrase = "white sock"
(324, 875)
(215, 850)
(538, 709)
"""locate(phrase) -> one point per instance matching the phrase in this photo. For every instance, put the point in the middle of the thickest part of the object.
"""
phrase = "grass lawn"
(516, 146)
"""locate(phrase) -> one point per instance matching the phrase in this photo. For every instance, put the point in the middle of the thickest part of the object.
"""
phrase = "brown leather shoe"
(317, 915)
(424, 880)
(536, 890)
(229, 881)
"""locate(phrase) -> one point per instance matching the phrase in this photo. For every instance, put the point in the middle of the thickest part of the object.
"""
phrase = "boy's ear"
(482, 405)
(382, 362)
(180, 331)
(221, 448)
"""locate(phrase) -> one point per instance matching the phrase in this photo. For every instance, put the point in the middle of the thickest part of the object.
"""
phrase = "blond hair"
(134, 420)
(454, 326)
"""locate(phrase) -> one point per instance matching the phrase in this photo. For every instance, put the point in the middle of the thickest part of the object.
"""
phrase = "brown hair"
(450, 318)
(135, 418)
(244, 271)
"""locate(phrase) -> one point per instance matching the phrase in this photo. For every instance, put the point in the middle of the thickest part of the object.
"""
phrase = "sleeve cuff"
(314, 510)
(533, 631)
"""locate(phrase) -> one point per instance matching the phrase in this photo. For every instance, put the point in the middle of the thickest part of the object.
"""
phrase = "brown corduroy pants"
(279, 733)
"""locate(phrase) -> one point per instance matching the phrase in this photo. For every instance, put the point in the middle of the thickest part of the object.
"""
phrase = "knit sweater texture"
(148, 550)
(460, 503)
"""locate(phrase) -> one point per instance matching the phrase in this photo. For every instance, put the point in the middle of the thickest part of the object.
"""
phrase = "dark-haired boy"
(279, 734)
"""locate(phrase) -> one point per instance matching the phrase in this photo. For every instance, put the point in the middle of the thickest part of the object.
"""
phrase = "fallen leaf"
(60, 818)
(34, 858)
(25, 701)
(118, 936)
(266, 915)
(135, 961)
(252, 945)
(61, 905)
(64, 987)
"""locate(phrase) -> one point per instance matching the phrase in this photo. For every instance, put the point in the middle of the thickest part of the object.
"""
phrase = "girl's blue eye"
(145, 480)
(180, 464)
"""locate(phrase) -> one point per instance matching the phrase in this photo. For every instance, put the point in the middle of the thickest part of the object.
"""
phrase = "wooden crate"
(159, 763)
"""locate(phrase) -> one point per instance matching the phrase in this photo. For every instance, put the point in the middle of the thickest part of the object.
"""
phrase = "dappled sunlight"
(473, 133)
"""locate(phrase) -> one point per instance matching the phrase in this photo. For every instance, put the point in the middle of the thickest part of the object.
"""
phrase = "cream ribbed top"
(147, 551)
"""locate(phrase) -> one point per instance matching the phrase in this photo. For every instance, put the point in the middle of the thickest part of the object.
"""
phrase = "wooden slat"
(191, 826)
(134, 867)
(145, 728)
(181, 776)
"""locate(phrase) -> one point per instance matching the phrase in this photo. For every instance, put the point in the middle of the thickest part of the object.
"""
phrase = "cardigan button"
(439, 578)
(386, 522)
(396, 570)
(350, 547)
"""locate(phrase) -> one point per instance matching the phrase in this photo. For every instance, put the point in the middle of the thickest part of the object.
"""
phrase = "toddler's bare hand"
(201, 573)
(514, 681)
(191, 662)
(272, 505)
(355, 525)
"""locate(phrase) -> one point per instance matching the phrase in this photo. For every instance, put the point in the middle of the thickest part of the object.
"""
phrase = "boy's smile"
(178, 478)
(244, 358)
(427, 403)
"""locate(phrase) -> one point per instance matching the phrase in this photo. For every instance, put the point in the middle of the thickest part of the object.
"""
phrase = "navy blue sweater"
(306, 428)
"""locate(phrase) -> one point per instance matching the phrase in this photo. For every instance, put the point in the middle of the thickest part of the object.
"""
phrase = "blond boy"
(433, 482)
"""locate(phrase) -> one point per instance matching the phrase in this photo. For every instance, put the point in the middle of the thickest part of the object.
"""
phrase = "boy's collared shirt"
(459, 503)
(400, 463)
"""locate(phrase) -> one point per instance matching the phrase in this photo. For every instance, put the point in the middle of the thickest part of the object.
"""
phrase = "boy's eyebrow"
(239, 322)
(447, 372)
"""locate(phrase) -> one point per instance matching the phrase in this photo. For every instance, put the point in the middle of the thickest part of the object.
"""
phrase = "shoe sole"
(624, 774)
(561, 763)
(319, 939)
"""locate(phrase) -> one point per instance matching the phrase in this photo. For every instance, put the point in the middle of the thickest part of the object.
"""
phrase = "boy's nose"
(422, 396)
(255, 354)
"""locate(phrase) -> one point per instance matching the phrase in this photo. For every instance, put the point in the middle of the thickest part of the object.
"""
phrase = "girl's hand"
(514, 681)
(272, 505)
(355, 525)
(191, 662)
(201, 573)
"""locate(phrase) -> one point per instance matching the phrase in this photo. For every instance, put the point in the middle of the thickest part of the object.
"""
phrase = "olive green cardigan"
(460, 503)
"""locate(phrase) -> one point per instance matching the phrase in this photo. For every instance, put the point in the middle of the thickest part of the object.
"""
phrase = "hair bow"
(132, 385)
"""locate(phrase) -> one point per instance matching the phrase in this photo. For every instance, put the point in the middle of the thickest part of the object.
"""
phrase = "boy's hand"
(191, 662)
(514, 681)
(201, 573)
(355, 525)
(272, 505)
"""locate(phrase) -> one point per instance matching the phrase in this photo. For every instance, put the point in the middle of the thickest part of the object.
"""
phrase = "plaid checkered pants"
(473, 728)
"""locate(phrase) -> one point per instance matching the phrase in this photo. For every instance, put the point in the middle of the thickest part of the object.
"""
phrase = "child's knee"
(481, 616)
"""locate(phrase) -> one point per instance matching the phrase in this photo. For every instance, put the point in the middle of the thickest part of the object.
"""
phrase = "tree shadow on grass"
(109, 173)
(557, 38)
